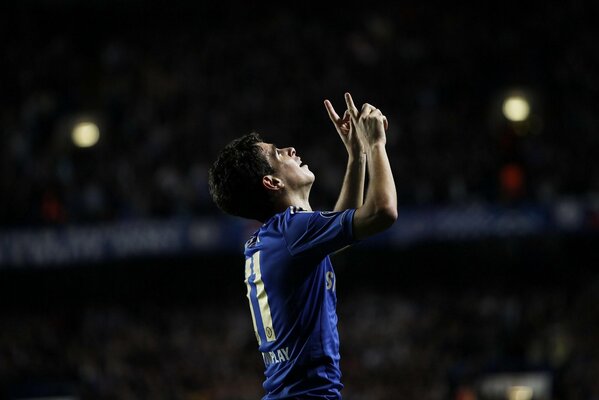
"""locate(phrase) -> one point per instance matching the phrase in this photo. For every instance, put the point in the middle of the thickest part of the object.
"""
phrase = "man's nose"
(290, 151)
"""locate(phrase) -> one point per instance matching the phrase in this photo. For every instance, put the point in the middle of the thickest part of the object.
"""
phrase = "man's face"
(288, 166)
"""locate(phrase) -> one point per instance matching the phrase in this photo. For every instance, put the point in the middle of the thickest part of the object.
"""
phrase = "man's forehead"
(267, 148)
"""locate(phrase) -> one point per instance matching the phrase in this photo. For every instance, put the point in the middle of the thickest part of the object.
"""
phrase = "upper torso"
(292, 293)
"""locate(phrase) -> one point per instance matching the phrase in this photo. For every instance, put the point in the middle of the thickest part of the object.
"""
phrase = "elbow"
(371, 220)
(387, 216)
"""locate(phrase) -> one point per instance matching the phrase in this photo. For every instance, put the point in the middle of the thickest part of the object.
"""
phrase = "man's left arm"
(352, 190)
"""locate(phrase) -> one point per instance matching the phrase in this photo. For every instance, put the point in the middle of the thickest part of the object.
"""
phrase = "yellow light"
(85, 134)
(519, 393)
(516, 108)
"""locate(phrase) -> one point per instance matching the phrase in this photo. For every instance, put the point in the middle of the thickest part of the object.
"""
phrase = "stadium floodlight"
(520, 393)
(523, 385)
(516, 108)
(85, 134)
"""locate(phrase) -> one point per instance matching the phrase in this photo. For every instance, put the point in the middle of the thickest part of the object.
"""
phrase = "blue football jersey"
(291, 291)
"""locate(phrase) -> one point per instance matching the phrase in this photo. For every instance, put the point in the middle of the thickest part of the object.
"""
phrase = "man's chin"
(310, 181)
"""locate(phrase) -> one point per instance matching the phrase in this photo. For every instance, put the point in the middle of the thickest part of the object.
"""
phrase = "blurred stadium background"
(120, 280)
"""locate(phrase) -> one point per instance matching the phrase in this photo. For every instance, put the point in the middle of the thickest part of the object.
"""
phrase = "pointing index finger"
(332, 114)
(351, 106)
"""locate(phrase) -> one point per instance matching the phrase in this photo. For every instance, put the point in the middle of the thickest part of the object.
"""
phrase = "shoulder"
(274, 224)
(296, 215)
(298, 219)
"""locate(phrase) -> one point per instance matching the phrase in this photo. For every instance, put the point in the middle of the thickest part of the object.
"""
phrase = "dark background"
(170, 85)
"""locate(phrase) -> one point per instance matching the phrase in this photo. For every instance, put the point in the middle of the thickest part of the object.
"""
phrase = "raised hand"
(369, 123)
(379, 210)
(345, 129)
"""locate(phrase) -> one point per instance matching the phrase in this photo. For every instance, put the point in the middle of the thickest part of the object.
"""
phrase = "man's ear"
(272, 183)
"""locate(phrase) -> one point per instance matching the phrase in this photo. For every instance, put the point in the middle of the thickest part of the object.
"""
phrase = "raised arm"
(379, 210)
(352, 190)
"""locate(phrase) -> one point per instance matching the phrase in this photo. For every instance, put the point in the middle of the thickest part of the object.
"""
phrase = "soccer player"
(288, 274)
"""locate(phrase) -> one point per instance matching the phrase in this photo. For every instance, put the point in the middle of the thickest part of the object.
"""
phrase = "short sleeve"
(315, 233)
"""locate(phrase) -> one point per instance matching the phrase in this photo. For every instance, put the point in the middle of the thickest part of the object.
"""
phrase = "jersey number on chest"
(258, 300)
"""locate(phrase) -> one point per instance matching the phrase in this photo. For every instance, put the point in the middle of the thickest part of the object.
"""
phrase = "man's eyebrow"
(273, 149)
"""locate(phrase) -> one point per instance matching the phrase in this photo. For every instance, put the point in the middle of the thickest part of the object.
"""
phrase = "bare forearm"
(380, 206)
(352, 190)
(381, 189)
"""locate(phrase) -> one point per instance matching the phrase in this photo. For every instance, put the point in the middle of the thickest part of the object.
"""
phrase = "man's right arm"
(379, 210)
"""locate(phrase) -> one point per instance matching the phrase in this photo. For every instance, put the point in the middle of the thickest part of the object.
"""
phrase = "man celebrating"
(289, 277)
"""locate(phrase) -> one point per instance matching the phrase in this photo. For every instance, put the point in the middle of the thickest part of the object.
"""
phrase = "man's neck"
(299, 200)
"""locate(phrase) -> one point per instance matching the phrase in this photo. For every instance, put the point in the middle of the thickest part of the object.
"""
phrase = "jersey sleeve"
(315, 233)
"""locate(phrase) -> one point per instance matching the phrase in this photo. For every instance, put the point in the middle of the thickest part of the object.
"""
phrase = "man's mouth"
(299, 162)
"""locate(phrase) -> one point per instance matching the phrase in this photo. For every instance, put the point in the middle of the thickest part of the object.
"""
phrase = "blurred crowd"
(428, 345)
(170, 87)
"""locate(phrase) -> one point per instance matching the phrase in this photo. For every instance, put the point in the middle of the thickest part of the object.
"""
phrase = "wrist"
(380, 145)
(358, 157)
(355, 151)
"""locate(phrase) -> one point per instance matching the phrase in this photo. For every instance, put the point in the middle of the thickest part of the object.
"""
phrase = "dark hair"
(235, 179)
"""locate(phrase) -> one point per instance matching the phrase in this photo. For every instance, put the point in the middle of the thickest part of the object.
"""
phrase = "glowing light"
(85, 134)
(516, 108)
(519, 393)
